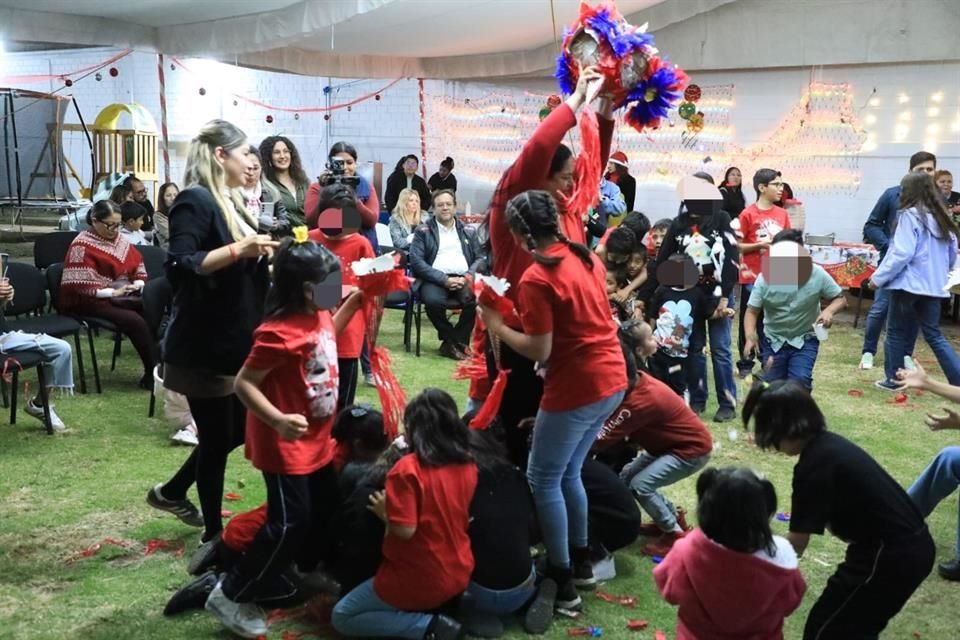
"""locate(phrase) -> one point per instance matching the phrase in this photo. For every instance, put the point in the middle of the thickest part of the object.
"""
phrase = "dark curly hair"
(296, 167)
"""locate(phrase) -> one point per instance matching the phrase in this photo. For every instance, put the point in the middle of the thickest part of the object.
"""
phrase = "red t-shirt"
(569, 300)
(349, 249)
(434, 565)
(656, 419)
(300, 352)
(757, 225)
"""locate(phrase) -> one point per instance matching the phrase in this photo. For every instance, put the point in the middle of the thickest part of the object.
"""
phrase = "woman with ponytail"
(219, 277)
(567, 328)
(544, 163)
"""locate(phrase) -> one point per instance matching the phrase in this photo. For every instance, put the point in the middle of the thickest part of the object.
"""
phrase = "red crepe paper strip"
(225, 513)
(232, 497)
(659, 635)
(637, 625)
(489, 298)
(588, 169)
(94, 549)
(491, 405)
(156, 544)
(375, 287)
(856, 393)
(627, 601)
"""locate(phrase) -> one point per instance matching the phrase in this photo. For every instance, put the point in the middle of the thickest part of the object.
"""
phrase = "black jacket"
(214, 315)
(397, 182)
(426, 244)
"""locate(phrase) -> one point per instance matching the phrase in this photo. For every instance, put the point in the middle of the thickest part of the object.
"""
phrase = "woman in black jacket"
(732, 190)
(218, 269)
(405, 176)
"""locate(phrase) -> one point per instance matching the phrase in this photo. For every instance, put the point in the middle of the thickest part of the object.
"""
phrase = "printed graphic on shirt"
(320, 372)
(705, 250)
(674, 325)
(767, 229)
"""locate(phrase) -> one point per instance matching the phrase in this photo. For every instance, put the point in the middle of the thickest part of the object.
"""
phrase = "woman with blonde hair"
(218, 270)
(406, 217)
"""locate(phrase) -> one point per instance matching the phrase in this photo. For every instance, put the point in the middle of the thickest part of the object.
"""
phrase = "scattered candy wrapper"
(901, 398)
(156, 544)
(380, 264)
(232, 497)
(637, 625)
(627, 601)
(592, 632)
(856, 393)
(659, 635)
(656, 559)
(226, 513)
(783, 516)
(94, 549)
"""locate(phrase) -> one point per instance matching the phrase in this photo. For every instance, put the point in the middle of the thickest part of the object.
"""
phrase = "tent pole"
(423, 130)
(163, 119)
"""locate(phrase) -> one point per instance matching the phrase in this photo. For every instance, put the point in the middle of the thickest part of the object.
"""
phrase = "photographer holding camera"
(342, 169)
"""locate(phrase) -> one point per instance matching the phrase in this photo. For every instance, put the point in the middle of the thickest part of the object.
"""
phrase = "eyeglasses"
(109, 227)
(775, 185)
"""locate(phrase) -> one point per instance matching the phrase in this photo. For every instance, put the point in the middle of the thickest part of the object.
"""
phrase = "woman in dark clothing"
(732, 190)
(405, 176)
(443, 178)
(219, 278)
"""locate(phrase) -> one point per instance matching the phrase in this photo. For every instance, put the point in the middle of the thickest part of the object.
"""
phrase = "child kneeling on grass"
(427, 560)
(788, 294)
(838, 486)
(289, 386)
(732, 546)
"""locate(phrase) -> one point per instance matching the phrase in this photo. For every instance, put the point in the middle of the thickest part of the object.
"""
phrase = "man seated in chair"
(442, 257)
(57, 359)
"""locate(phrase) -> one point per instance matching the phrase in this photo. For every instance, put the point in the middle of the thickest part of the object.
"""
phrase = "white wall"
(386, 129)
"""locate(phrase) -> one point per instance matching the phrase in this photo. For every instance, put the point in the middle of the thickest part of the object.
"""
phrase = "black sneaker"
(950, 570)
(539, 614)
(886, 385)
(582, 569)
(192, 596)
(697, 409)
(205, 557)
(442, 628)
(183, 509)
(568, 599)
(724, 414)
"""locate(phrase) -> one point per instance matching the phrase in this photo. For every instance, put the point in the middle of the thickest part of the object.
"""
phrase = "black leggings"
(220, 429)
(521, 399)
(348, 382)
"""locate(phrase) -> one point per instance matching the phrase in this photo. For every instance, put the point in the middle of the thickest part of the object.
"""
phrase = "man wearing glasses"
(139, 192)
(758, 224)
(878, 231)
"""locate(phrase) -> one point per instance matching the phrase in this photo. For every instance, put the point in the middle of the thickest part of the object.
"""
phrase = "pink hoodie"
(724, 594)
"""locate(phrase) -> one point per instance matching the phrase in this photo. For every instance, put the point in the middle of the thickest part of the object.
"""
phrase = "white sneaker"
(37, 412)
(605, 570)
(187, 436)
(368, 380)
(866, 361)
(909, 364)
(243, 618)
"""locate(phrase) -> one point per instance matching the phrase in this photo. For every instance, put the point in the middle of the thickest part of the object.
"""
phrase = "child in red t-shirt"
(427, 558)
(289, 385)
(568, 329)
(337, 226)
(755, 228)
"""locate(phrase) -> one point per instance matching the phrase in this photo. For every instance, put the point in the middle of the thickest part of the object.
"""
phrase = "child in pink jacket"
(731, 577)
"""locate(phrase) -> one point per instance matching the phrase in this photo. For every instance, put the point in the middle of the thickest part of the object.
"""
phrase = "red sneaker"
(662, 545)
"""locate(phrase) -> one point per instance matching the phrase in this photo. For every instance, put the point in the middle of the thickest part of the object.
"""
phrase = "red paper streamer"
(659, 635)
(233, 497)
(375, 287)
(588, 169)
(627, 601)
(93, 549)
(491, 405)
(637, 625)
(46, 77)
(156, 544)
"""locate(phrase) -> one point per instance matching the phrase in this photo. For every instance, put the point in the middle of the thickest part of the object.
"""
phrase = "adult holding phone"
(342, 168)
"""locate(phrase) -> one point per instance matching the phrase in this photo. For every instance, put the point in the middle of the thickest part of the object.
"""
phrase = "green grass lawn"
(60, 495)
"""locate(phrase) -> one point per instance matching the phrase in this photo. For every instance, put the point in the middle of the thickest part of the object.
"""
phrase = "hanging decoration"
(637, 79)
(73, 76)
(552, 103)
(203, 91)
(98, 77)
(114, 72)
(269, 119)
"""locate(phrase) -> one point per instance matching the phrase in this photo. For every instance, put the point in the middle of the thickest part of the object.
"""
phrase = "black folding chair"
(153, 259)
(52, 247)
(25, 313)
(409, 303)
(12, 364)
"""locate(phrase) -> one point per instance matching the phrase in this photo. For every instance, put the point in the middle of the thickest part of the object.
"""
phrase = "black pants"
(348, 382)
(612, 513)
(671, 371)
(438, 301)
(298, 510)
(869, 587)
(746, 362)
(221, 424)
(521, 400)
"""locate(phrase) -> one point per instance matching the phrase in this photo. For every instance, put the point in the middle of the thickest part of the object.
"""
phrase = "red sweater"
(529, 172)
(369, 211)
(725, 594)
(94, 263)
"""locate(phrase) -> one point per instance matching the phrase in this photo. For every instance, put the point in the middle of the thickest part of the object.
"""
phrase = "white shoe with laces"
(186, 436)
(242, 618)
(37, 412)
(909, 364)
(605, 570)
(866, 361)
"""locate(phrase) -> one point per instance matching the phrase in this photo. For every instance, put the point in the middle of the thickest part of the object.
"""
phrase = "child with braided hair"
(567, 328)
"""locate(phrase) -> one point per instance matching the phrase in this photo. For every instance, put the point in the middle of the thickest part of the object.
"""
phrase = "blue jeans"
(647, 473)
(57, 355)
(719, 331)
(908, 313)
(362, 614)
(501, 602)
(561, 442)
(790, 363)
(937, 482)
(876, 318)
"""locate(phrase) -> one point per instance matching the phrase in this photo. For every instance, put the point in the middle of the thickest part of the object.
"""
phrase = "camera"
(336, 174)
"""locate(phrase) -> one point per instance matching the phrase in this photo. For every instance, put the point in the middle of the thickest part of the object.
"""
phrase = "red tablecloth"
(848, 263)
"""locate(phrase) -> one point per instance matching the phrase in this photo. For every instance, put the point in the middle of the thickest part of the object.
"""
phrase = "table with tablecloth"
(848, 263)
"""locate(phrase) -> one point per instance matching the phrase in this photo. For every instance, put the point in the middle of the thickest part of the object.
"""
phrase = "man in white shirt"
(442, 257)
